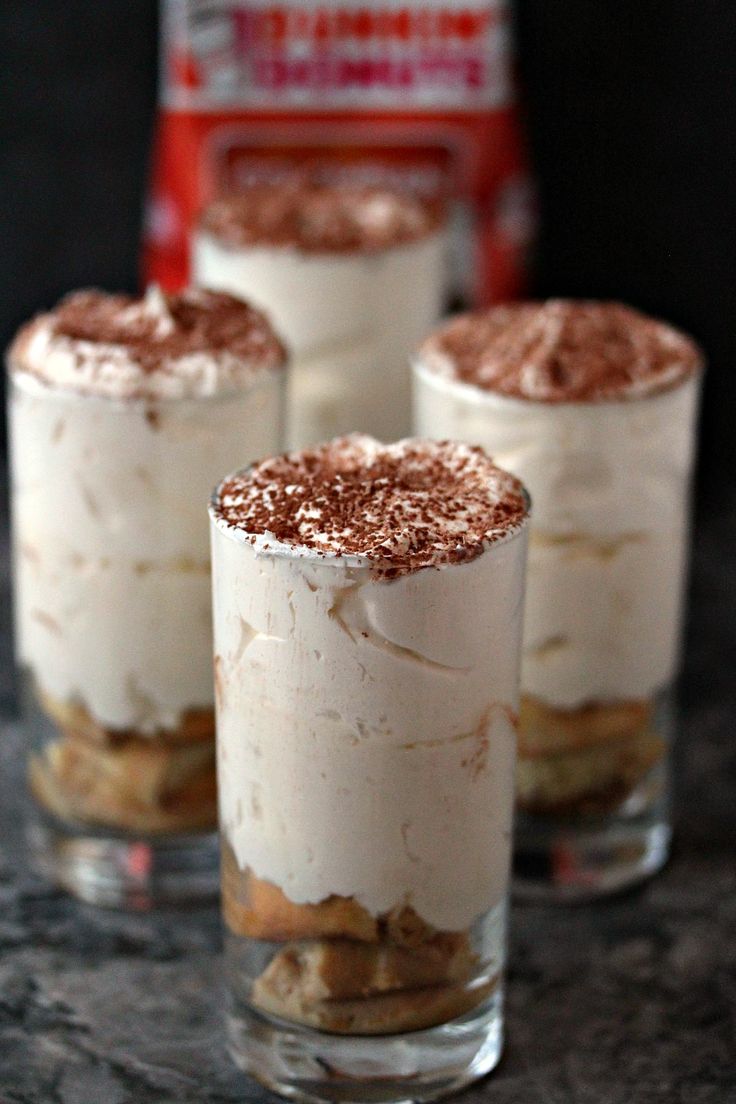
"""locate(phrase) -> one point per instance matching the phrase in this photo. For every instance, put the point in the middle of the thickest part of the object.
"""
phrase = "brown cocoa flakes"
(562, 351)
(404, 507)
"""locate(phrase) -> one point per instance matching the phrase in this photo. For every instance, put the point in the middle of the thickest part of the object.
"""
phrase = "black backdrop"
(631, 113)
(631, 110)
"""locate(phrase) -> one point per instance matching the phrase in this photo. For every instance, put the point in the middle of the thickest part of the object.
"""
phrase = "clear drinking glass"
(113, 628)
(366, 745)
(349, 316)
(608, 548)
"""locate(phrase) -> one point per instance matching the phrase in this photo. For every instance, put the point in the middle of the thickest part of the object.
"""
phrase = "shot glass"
(122, 412)
(352, 277)
(367, 616)
(594, 406)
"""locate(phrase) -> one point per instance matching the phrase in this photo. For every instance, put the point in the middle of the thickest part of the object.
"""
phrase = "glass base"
(584, 855)
(304, 1064)
(122, 872)
(573, 862)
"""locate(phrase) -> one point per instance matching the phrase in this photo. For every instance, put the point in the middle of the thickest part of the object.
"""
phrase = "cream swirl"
(190, 345)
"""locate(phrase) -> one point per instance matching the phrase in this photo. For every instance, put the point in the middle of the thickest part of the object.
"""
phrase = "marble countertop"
(628, 1001)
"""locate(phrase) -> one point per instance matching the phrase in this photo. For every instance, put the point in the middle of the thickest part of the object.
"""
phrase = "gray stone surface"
(631, 1001)
(6, 663)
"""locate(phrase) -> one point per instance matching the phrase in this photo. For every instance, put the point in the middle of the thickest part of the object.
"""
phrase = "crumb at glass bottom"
(593, 795)
(380, 1025)
(150, 783)
(119, 818)
(335, 967)
(584, 761)
(327, 1001)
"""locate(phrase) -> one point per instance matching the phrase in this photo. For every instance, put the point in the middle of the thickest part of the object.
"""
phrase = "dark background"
(631, 115)
(631, 112)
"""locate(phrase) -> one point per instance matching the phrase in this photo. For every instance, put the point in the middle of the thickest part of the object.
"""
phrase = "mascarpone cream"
(352, 278)
(593, 406)
(366, 670)
(112, 590)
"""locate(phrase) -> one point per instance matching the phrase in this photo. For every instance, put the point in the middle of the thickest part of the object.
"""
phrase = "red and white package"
(411, 93)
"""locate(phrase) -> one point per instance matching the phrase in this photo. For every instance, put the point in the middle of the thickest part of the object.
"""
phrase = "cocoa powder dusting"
(196, 321)
(562, 351)
(404, 507)
(320, 218)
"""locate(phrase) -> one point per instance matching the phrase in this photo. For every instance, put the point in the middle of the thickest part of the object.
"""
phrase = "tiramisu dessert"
(594, 406)
(122, 413)
(352, 278)
(367, 608)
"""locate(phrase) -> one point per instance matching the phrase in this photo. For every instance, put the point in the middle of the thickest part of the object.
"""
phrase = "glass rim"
(481, 396)
(440, 231)
(280, 550)
(19, 378)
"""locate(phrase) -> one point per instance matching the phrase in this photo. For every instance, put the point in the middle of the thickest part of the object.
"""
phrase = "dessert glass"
(594, 406)
(112, 587)
(352, 278)
(367, 616)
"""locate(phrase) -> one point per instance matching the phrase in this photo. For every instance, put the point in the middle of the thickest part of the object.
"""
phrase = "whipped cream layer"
(562, 351)
(319, 217)
(112, 585)
(366, 716)
(351, 305)
(191, 345)
(609, 480)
